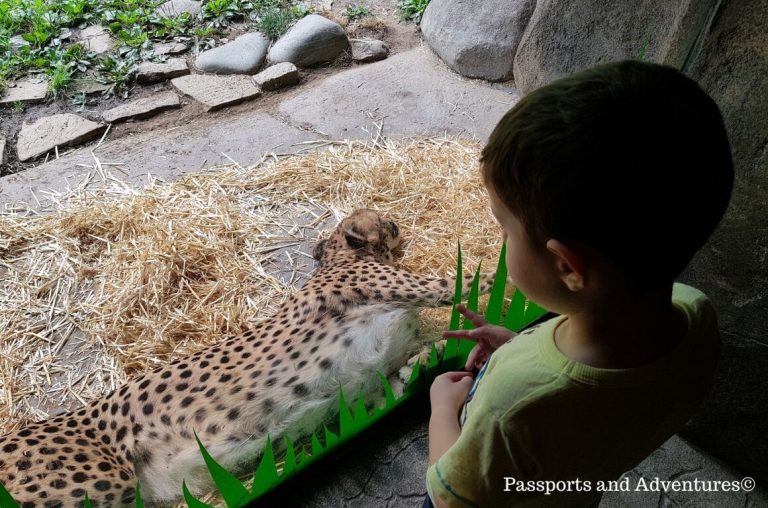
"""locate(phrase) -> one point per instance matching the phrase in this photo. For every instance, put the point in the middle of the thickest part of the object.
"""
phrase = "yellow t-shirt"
(535, 415)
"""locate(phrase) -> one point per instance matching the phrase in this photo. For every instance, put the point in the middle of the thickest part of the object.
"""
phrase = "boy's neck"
(622, 332)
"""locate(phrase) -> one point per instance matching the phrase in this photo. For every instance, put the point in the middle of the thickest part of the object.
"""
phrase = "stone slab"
(96, 38)
(277, 76)
(168, 155)
(25, 91)
(411, 93)
(170, 48)
(173, 8)
(46, 133)
(142, 108)
(216, 92)
(2, 151)
(151, 72)
(358, 104)
(88, 85)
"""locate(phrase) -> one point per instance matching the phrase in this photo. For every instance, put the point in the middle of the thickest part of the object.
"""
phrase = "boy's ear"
(569, 264)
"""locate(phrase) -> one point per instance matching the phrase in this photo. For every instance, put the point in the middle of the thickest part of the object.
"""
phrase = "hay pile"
(117, 280)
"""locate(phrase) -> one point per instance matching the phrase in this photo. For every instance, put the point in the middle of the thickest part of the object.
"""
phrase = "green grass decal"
(353, 418)
(496, 300)
(6, 500)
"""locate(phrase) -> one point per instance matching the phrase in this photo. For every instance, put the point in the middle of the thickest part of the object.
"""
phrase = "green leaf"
(345, 417)
(315, 445)
(415, 376)
(646, 42)
(330, 438)
(465, 346)
(496, 299)
(474, 296)
(6, 499)
(455, 316)
(389, 395)
(192, 501)
(266, 473)
(229, 486)
(361, 414)
(515, 317)
(434, 358)
(139, 502)
(290, 457)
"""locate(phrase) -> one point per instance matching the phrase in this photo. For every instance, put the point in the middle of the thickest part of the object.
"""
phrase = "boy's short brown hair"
(629, 158)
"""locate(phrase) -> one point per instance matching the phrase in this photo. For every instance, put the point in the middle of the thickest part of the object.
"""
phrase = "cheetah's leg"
(396, 285)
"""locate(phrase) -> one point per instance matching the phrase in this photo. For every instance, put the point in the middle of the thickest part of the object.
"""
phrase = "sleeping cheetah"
(355, 316)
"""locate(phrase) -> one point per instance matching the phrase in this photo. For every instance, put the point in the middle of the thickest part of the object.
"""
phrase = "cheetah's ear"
(354, 241)
(317, 252)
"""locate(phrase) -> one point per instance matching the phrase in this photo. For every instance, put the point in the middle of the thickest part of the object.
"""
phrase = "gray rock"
(278, 76)
(170, 48)
(142, 108)
(26, 90)
(365, 50)
(96, 38)
(216, 92)
(88, 85)
(48, 132)
(731, 268)
(17, 41)
(173, 8)
(564, 36)
(150, 72)
(2, 151)
(679, 460)
(314, 39)
(244, 55)
(477, 40)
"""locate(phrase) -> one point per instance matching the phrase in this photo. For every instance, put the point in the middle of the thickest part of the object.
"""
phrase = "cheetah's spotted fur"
(356, 316)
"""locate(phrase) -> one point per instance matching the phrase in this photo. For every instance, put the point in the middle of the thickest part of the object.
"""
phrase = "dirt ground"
(383, 23)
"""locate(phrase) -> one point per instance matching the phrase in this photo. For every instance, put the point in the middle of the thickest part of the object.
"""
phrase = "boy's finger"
(456, 375)
(461, 334)
(476, 318)
(476, 357)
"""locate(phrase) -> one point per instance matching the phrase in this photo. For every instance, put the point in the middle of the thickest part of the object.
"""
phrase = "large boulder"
(731, 268)
(477, 40)
(564, 36)
(314, 39)
(244, 55)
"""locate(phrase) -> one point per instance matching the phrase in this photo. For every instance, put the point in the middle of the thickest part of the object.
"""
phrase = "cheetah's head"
(362, 235)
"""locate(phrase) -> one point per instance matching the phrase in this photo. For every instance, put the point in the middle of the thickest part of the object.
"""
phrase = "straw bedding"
(115, 280)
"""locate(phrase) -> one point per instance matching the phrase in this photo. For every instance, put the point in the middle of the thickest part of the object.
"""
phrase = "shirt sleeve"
(474, 472)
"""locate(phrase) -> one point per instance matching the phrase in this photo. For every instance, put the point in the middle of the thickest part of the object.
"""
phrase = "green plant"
(412, 9)
(117, 73)
(356, 11)
(35, 34)
(177, 25)
(219, 13)
(18, 106)
(59, 77)
(275, 22)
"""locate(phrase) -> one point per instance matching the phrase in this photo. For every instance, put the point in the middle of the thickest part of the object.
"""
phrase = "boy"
(605, 184)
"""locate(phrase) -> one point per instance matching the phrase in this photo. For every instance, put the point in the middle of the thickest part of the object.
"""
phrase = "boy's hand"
(488, 337)
(449, 391)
